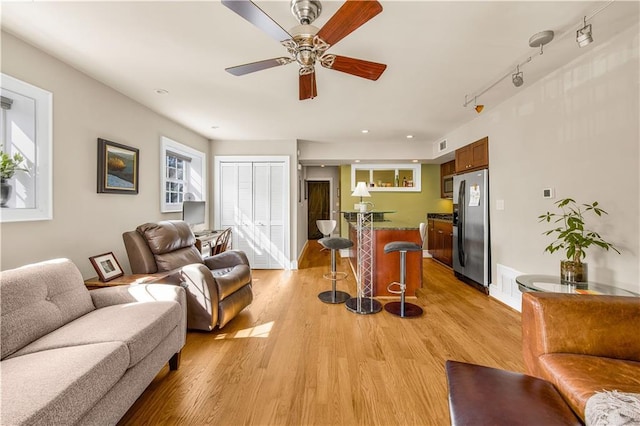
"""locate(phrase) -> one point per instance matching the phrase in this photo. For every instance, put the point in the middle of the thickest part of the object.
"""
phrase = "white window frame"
(195, 173)
(42, 169)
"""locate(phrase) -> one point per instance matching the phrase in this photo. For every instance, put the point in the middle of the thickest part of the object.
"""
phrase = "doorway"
(319, 206)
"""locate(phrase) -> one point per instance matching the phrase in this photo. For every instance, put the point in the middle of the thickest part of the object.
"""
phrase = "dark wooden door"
(319, 206)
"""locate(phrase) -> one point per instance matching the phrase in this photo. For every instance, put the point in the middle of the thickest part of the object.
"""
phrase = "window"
(183, 172)
(25, 129)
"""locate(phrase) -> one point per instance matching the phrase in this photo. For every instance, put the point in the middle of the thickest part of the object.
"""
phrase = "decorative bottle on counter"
(397, 183)
(404, 181)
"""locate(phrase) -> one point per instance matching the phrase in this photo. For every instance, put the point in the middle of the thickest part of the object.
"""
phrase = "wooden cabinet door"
(447, 245)
(464, 159)
(480, 153)
(431, 237)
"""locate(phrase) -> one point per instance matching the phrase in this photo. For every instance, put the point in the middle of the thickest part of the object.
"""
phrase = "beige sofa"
(70, 356)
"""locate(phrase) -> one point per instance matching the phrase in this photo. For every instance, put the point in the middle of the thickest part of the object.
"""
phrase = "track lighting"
(540, 39)
(477, 107)
(584, 36)
(517, 78)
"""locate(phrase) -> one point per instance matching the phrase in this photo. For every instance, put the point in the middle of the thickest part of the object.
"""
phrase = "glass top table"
(552, 284)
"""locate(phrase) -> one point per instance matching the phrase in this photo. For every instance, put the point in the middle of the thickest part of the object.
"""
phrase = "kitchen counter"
(386, 267)
(445, 217)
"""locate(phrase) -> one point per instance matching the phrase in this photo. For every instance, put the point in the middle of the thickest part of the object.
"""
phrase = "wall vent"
(442, 145)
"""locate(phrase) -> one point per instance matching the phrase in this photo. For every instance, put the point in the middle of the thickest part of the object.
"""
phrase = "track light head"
(584, 36)
(517, 77)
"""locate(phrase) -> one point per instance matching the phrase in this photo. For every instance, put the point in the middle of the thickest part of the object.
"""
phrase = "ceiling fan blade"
(351, 15)
(357, 67)
(257, 66)
(308, 88)
(252, 13)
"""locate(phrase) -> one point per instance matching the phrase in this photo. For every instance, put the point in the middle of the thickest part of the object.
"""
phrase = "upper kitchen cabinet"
(474, 156)
(387, 177)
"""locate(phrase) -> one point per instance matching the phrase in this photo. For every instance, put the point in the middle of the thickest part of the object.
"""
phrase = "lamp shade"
(361, 190)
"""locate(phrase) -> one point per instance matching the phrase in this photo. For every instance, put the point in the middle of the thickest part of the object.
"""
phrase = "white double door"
(253, 202)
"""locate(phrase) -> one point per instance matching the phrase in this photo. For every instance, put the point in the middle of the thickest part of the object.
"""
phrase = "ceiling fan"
(307, 44)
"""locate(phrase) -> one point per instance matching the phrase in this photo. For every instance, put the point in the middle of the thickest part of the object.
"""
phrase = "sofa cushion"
(578, 377)
(140, 326)
(39, 298)
(58, 386)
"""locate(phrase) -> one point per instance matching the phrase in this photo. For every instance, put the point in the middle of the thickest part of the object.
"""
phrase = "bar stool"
(326, 227)
(402, 308)
(334, 244)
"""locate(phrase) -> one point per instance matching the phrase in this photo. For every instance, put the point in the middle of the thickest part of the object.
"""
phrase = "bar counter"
(386, 267)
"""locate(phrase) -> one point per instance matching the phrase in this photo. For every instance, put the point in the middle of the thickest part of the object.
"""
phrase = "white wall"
(86, 223)
(267, 147)
(575, 131)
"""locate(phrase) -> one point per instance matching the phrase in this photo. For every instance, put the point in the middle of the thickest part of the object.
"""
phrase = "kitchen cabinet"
(440, 244)
(474, 156)
(447, 171)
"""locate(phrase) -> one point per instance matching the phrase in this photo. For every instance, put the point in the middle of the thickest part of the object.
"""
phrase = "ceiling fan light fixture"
(584, 36)
(306, 11)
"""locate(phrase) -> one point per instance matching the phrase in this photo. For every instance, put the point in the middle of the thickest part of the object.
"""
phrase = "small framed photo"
(117, 168)
(106, 266)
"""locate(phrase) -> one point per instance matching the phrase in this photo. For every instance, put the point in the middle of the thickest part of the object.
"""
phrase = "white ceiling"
(436, 53)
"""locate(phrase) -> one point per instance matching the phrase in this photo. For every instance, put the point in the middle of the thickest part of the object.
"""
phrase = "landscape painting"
(117, 168)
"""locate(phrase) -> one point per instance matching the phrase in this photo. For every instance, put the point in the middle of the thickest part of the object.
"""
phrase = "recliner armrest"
(226, 259)
(595, 325)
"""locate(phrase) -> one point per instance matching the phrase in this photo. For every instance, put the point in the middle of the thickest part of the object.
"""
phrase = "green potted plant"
(8, 167)
(573, 237)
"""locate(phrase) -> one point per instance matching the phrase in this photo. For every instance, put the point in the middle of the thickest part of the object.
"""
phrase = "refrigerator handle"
(461, 222)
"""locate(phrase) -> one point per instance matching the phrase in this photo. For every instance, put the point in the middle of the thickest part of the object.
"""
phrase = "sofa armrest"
(595, 325)
(142, 293)
(226, 259)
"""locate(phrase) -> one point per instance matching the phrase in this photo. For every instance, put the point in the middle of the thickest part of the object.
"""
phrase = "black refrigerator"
(471, 247)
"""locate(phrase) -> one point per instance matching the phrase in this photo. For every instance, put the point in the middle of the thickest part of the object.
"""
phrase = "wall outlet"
(547, 193)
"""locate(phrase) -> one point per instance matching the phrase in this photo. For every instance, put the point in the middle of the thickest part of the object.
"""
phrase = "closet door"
(253, 203)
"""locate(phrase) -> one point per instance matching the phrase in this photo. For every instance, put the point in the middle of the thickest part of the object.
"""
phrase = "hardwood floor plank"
(289, 359)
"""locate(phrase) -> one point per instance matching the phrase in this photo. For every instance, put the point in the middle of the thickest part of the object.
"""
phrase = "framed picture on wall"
(107, 266)
(117, 168)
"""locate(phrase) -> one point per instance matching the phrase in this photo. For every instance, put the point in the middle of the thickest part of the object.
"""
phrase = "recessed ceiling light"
(162, 92)
(365, 131)
(321, 165)
(357, 161)
(409, 136)
(414, 161)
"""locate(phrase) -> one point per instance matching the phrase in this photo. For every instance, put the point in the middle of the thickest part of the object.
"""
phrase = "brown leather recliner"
(218, 287)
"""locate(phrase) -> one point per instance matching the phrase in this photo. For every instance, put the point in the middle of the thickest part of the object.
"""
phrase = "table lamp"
(361, 191)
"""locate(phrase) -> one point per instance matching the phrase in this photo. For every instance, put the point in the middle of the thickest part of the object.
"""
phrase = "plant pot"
(573, 272)
(5, 192)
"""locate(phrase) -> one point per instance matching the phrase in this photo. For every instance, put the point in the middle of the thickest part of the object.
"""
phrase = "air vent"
(442, 145)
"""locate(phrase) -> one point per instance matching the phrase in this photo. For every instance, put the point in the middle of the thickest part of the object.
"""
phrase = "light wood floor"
(290, 359)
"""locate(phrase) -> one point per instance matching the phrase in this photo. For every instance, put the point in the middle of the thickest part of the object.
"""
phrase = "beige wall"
(575, 131)
(410, 207)
(86, 223)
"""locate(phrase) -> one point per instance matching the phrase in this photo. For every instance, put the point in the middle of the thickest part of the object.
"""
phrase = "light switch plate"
(547, 193)
(499, 204)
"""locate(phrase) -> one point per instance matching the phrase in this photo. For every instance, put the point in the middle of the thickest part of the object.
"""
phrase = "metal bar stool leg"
(334, 296)
(402, 308)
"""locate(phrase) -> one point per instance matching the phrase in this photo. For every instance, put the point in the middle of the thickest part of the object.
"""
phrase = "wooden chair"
(222, 242)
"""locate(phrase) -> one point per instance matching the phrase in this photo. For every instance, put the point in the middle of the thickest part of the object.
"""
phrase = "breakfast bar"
(386, 267)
